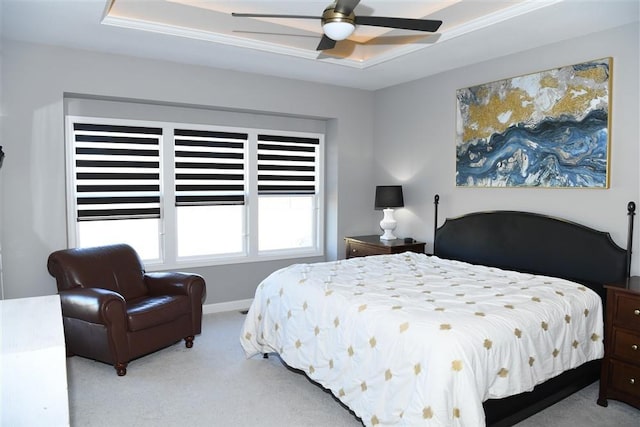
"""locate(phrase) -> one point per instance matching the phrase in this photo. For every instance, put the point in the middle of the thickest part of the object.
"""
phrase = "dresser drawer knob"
(632, 381)
(636, 311)
(354, 250)
(634, 347)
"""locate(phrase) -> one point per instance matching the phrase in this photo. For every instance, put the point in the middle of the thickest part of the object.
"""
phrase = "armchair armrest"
(93, 305)
(175, 283)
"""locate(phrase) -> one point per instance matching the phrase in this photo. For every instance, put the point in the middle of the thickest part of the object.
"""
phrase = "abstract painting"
(547, 129)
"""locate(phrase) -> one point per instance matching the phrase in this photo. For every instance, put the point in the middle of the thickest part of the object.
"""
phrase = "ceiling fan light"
(338, 30)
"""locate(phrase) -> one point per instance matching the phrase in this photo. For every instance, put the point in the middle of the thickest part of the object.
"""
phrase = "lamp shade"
(389, 196)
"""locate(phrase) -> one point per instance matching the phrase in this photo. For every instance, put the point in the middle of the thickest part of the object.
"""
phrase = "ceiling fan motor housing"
(337, 25)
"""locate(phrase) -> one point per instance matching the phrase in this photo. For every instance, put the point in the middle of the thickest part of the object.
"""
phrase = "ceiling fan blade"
(326, 43)
(345, 6)
(266, 15)
(401, 23)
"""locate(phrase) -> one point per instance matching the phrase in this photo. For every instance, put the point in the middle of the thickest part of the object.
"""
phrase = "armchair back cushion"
(115, 267)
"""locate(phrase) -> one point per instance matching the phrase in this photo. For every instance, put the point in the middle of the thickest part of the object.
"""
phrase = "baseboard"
(227, 306)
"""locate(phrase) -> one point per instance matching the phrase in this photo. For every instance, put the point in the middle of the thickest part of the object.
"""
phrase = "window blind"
(287, 165)
(117, 171)
(209, 167)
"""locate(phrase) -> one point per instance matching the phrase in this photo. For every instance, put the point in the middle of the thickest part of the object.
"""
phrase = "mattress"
(409, 339)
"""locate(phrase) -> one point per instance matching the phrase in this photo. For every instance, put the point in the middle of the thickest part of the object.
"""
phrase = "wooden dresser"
(620, 377)
(372, 245)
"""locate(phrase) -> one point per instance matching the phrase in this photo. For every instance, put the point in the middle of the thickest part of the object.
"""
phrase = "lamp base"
(388, 235)
(388, 224)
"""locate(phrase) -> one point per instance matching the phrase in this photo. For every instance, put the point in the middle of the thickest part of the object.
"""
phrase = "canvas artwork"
(548, 129)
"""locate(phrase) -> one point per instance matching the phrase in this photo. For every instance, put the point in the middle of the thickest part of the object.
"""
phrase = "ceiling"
(203, 32)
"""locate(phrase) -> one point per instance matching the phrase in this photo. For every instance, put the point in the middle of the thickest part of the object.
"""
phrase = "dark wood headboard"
(535, 243)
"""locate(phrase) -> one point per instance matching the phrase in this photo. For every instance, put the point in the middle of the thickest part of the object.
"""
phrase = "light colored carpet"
(212, 384)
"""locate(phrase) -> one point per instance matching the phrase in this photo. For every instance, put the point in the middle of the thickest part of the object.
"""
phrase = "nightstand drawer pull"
(634, 347)
(632, 381)
(636, 311)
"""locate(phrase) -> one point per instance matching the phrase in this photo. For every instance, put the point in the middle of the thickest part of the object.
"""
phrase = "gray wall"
(414, 141)
(35, 80)
(403, 134)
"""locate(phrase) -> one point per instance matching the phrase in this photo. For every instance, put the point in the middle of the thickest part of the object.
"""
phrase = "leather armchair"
(113, 311)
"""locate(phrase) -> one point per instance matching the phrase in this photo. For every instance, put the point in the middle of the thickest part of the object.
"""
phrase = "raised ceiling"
(204, 32)
(212, 21)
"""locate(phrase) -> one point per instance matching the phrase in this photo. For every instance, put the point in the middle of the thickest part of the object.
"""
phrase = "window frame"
(167, 233)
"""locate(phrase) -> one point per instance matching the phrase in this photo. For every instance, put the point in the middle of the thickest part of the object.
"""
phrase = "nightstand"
(372, 245)
(620, 376)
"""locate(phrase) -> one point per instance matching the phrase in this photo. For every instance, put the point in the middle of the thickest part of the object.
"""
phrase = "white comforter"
(412, 340)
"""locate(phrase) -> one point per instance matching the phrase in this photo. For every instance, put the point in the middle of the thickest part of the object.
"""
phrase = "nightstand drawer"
(357, 249)
(358, 246)
(625, 378)
(626, 346)
(627, 311)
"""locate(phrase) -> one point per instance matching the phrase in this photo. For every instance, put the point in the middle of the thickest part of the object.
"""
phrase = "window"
(210, 192)
(117, 186)
(286, 190)
(193, 194)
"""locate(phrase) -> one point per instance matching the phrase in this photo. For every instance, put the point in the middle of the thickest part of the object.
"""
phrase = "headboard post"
(436, 200)
(631, 208)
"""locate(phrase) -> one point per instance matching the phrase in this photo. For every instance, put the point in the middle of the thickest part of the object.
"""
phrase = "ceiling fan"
(339, 21)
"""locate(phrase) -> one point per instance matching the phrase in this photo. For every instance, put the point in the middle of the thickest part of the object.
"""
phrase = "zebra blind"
(117, 170)
(209, 167)
(287, 165)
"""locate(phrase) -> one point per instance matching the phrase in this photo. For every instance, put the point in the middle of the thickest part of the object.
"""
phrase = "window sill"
(241, 259)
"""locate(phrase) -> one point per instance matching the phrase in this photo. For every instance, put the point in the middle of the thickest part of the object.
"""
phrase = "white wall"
(415, 141)
(1, 174)
(35, 80)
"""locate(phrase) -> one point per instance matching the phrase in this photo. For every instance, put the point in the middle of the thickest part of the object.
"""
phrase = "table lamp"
(387, 198)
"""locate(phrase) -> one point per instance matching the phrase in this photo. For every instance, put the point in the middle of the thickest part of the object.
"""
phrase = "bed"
(502, 320)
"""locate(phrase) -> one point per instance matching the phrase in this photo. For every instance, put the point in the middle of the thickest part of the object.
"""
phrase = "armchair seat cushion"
(146, 312)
